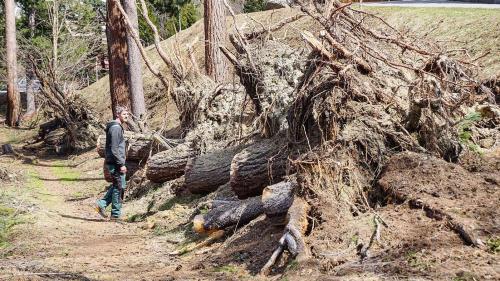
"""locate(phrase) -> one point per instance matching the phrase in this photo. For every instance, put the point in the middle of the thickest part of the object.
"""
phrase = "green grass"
(8, 219)
(65, 173)
(455, 28)
(33, 180)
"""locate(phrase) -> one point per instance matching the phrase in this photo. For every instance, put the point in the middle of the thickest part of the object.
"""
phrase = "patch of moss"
(226, 268)
(494, 244)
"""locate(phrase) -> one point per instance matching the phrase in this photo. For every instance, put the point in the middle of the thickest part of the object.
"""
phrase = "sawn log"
(258, 166)
(232, 213)
(169, 164)
(205, 173)
(277, 198)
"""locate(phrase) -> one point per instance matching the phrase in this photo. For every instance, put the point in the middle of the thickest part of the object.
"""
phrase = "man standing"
(115, 162)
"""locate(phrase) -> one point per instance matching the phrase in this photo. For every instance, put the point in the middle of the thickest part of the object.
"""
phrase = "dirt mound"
(409, 235)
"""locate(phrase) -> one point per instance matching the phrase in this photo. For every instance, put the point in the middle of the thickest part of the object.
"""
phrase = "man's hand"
(123, 169)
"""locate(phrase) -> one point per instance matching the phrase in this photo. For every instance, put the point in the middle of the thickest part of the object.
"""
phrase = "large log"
(139, 146)
(170, 164)
(277, 198)
(205, 173)
(258, 166)
(232, 213)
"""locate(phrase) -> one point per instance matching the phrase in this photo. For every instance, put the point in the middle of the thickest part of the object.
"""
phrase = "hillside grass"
(472, 32)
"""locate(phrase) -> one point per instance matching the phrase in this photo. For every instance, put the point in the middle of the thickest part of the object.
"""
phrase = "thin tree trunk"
(30, 76)
(135, 63)
(215, 36)
(13, 97)
(31, 22)
(55, 34)
(30, 94)
(117, 53)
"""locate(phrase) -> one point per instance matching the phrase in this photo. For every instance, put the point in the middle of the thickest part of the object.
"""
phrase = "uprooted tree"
(308, 144)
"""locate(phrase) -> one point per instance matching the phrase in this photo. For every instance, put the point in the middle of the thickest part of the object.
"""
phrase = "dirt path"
(66, 239)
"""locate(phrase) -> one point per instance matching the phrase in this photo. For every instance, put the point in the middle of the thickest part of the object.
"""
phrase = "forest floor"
(49, 229)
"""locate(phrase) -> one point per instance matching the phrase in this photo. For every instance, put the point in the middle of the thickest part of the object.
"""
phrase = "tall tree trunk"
(31, 22)
(117, 53)
(30, 76)
(55, 34)
(135, 63)
(215, 35)
(13, 97)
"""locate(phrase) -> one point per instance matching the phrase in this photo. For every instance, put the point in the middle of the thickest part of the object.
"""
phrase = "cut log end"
(170, 164)
(231, 213)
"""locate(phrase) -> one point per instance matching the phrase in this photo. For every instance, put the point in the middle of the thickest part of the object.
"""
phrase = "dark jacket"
(115, 144)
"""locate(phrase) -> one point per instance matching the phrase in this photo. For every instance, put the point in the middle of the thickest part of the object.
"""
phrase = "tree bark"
(277, 198)
(215, 36)
(205, 173)
(233, 213)
(30, 76)
(118, 60)
(55, 34)
(13, 97)
(135, 64)
(170, 164)
(258, 166)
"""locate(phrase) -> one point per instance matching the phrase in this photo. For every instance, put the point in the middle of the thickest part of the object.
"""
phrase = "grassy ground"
(477, 30)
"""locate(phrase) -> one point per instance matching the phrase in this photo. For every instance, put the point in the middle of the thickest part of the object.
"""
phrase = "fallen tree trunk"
(292, 238)
(132, 168)
(232, 213)
(277, 198)
(170, 164)
(139, 146)
(48, 127)
(205, 173)
(258, 166)
(56, 136)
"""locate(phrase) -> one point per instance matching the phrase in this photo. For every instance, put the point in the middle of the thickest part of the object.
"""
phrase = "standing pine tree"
(13, 98)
